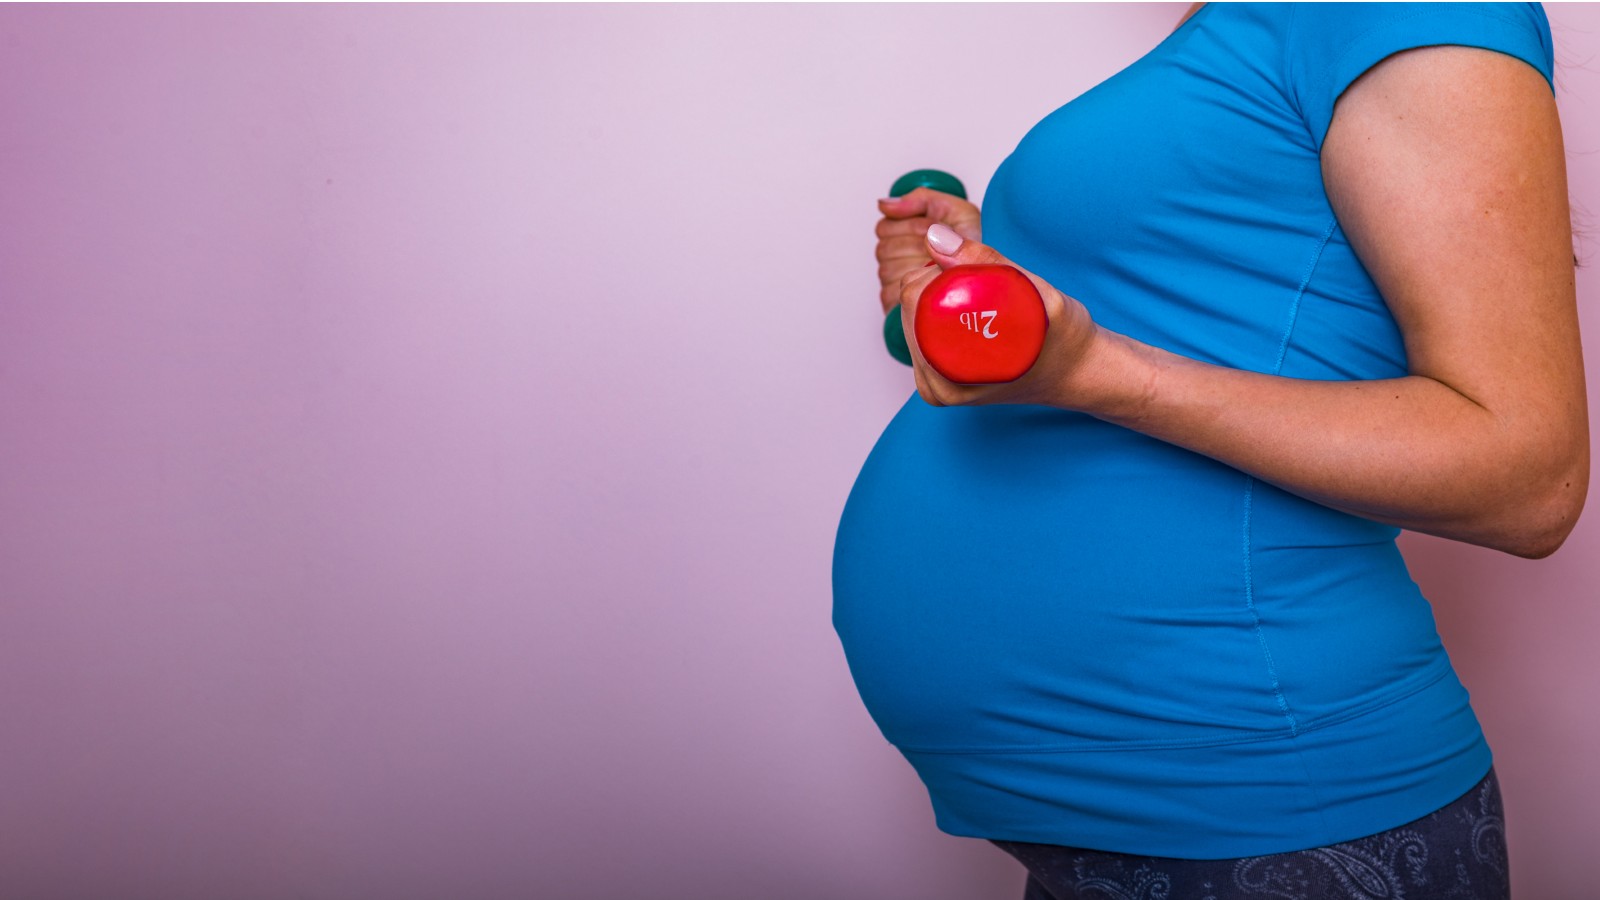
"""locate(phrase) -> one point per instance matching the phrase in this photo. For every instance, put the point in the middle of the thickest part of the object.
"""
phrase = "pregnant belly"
(1024, 577)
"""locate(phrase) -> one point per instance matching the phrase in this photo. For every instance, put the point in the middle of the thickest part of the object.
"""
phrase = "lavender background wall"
(422, 431)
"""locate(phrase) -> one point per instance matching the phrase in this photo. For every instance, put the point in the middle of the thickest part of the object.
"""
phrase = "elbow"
(1537, 549)
(1536, 546)
(1539, 526)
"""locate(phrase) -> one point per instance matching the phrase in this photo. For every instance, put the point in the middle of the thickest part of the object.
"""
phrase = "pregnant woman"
(1138, 617)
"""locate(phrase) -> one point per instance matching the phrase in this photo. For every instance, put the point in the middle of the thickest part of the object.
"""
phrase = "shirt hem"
(1347, 780)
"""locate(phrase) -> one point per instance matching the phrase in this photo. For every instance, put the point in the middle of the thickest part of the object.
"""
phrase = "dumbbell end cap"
(943, 182)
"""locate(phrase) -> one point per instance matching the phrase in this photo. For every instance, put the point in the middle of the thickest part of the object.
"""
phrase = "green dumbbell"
(894, 332)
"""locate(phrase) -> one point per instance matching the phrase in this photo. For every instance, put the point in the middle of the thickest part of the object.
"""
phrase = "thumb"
(951, 249)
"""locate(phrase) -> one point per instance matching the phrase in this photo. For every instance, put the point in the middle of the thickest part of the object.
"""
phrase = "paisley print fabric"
(1457, 852)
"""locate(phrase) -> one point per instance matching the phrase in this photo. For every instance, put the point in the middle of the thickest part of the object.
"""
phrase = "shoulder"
(1328, 46)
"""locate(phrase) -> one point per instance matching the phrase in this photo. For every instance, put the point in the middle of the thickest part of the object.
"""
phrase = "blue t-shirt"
(1081, 635)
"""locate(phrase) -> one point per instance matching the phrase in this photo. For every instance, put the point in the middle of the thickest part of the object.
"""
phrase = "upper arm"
(1445, 168)
(1193, 8)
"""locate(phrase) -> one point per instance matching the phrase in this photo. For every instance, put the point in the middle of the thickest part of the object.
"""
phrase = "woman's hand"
(1060, 377)
(901, 231)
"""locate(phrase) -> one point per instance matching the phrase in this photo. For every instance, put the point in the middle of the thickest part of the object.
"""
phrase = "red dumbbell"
(981, 324)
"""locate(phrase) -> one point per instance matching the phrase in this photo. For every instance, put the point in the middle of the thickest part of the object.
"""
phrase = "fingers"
(910, 285)
(914, 203)
(931, 386)
(891, 271)
(932, 206)
(916, 227)
(902, 247)
(902, 237)
(892, 274)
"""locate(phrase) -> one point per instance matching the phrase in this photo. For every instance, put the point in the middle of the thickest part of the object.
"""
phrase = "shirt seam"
(1325, 79)
(1255, 615)
(1300, 292)
(1320, 81)
(1250, 486)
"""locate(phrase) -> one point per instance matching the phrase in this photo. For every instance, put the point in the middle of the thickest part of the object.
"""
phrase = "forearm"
(1410, 451)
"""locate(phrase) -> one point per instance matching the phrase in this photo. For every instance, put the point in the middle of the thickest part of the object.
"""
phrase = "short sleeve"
(1331, 44)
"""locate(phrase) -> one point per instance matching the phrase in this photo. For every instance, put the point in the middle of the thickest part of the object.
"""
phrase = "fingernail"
(944, 239)
(887, 199)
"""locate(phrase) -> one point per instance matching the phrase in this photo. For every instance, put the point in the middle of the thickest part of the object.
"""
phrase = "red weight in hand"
(981, 324)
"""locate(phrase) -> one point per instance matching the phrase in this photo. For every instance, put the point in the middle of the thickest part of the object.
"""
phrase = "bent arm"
(1446, 170)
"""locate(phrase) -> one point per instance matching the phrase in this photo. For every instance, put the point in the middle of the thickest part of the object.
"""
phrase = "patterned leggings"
(1457, 851)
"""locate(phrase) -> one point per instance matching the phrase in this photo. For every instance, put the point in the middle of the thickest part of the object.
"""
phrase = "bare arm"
(1445, 168)
(1193, 8)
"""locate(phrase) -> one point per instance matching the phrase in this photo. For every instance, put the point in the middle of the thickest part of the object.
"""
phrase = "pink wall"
(422, 431)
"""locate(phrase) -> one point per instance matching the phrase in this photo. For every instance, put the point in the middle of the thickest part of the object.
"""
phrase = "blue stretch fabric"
(1081, 636)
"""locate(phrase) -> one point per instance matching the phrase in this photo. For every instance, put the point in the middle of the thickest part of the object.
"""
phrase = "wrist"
(1115, 379)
